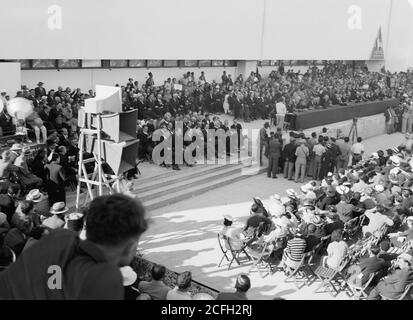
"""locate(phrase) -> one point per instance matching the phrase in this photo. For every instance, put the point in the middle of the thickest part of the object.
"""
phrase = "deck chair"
(224, 250)
(403, 296)
(303, 274)
(332, 280)
(358, 292)
(236, 253)
(260, 257)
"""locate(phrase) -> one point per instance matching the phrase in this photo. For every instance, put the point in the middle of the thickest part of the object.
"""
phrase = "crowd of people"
(359, 215)
(348, 189)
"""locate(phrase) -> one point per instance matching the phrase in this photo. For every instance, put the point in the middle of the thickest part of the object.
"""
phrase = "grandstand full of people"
(348, 225)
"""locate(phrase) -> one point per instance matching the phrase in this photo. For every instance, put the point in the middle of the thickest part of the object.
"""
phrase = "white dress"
(226, 104)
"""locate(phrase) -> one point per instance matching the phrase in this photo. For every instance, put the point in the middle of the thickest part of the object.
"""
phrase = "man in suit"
(373, 264)
(242, 285)
(40, 91)
(274, 153)
(263, 139)
(7, 201)
(393, 286)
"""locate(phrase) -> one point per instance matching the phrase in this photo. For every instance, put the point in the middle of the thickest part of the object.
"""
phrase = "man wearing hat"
(15, 151)
(394, 285)
(40, 91)
(57, 220)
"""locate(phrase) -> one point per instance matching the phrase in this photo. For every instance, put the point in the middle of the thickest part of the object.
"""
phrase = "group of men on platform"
(299, 156)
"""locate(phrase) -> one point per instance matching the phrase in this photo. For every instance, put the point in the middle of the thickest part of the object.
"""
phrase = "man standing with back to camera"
(63, 267)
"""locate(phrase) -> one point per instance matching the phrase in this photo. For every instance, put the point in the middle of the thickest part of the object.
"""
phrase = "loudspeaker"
(121, 157)
(118, 126)
(107, 99)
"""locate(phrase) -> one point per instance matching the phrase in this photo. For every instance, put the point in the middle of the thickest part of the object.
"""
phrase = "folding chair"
(303, 274)
(137, 166)
(236, 253)
(221, 242)
(403, 296)
(358, 292)
(260, 258)
(330, 278)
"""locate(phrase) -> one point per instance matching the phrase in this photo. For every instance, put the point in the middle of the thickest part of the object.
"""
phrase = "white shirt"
(281, 108)
(377, 220)
(357, 148)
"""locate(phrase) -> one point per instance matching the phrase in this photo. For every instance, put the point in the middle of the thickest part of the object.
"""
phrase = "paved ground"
(183, 236)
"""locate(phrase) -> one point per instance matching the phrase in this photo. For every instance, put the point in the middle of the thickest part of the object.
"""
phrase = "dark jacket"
(274, 148)
(85, 272)
(371, 265)
(394, 285)
(232, 296)
(289, 152)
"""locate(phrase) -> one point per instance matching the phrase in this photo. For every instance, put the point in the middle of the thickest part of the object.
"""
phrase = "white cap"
(129, 276)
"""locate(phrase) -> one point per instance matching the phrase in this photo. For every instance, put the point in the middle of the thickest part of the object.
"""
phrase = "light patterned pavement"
(183, 237)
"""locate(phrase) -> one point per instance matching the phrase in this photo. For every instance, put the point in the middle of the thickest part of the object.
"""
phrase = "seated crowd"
(359, 216)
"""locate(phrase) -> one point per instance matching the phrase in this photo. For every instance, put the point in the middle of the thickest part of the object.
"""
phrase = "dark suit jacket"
(274, 148)
(86, 272)
(7, 206)
(394, 285)
(232, 296)
(371, 265)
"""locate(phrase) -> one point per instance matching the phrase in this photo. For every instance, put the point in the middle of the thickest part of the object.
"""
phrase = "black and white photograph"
(219, 150)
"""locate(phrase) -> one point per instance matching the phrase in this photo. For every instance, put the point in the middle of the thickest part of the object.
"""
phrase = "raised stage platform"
(320, 117)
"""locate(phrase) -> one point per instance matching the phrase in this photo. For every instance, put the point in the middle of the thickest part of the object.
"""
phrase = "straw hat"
(59, 208)
(342, 189)
(129, 276)
(379, 188)
(229, 217)
(16, 147)
(35, 195)
(291, 193)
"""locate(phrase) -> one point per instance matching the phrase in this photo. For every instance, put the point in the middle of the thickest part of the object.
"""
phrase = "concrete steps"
(171, 187)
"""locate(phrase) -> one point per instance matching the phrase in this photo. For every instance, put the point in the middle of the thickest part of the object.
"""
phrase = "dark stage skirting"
(316, 118)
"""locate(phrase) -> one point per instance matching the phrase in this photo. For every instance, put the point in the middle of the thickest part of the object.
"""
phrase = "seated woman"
(294, 252)
(336, 250)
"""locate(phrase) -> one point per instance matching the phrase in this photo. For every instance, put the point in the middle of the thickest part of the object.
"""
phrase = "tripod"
(353, 131)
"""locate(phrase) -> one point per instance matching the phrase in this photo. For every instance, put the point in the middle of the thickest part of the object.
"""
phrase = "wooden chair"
(260, 258)
(303, 274)
(235, 253)
(357, 291)
(403, 296)
(224, 250)
(333, 280)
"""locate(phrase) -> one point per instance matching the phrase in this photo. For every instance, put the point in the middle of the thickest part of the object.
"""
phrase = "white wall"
(398, 49)
(10, 77)
(87, 78)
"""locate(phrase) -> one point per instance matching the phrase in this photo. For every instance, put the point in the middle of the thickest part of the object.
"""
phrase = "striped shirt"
(295, 249)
